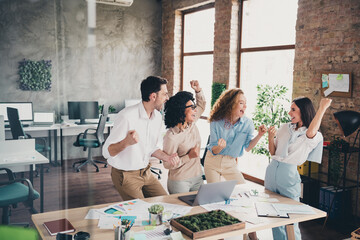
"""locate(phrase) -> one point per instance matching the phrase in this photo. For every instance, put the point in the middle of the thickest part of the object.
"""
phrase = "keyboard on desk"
(41, 125)
(24, 125)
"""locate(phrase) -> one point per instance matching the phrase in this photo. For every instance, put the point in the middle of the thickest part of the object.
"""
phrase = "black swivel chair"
(89, 140)
(202, 160)
(156, 171)
(18, 132)
(15, 191)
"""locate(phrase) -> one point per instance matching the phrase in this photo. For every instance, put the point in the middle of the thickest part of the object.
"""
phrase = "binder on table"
(268, 210)
(59, 226)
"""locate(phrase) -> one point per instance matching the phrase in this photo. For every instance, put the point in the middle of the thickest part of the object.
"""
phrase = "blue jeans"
(284, 179)
(188, 185)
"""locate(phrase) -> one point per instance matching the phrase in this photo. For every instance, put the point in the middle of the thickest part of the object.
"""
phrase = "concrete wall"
(128, 49)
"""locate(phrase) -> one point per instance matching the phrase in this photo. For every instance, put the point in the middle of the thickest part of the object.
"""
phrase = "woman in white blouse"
(292, 145)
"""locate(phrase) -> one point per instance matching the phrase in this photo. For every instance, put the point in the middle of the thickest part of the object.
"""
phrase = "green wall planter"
(35, 75)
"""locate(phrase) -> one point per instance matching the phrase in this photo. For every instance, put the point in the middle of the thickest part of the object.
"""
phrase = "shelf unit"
(323, 178)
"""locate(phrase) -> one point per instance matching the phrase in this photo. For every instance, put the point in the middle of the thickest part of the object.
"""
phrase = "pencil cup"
(125, 235)
(155, 219)
(121, 234)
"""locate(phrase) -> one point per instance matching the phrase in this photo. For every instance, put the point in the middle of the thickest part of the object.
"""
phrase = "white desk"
(38, 131)
(22, 152)
(69, 129)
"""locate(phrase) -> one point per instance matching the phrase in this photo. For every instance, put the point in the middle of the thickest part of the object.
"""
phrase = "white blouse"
(294, 147)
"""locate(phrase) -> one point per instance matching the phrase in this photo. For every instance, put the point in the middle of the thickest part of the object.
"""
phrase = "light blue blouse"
(237, 136)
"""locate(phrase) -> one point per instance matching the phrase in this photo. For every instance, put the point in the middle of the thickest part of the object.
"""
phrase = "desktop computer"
(83, 110)
(25, 110)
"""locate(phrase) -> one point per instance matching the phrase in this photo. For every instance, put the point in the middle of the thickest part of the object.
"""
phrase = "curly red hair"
(225, 104)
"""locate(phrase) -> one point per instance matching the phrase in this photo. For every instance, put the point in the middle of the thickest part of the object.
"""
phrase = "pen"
(246, 194)
(240, 195)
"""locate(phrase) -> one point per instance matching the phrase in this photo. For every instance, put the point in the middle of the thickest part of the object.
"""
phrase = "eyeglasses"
(193, 106)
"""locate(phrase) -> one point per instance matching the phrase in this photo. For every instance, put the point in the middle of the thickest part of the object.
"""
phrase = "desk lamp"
(349, 122)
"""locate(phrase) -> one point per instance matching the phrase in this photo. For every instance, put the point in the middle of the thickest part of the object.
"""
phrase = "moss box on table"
(207, 224)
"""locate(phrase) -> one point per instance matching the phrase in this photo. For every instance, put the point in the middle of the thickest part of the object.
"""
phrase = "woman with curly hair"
(231, 132)
(183, 138)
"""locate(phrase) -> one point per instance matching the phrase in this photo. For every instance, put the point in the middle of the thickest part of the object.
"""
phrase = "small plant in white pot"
(155, 214)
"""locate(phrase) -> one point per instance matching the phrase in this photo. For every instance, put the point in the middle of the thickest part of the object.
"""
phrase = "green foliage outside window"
(35, 75)
(270, 112)
(216, 90)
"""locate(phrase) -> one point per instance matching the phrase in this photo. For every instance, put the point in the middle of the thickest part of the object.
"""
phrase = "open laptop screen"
(43, 117)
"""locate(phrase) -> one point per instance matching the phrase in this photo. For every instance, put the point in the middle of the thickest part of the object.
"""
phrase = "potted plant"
(111, 113)
(155, 214)
(270, 112)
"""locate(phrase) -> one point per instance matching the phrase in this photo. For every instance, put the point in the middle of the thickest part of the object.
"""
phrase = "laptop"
(43, 119)
(210, 193)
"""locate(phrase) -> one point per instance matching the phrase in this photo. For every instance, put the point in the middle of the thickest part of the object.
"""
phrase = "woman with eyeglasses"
(231, 133)
(183, 138)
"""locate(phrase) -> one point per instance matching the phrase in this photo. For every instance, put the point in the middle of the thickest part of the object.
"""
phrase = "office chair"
(13, 192)
(202, 160)
(18, 132)
(156, 171)
(88, 141)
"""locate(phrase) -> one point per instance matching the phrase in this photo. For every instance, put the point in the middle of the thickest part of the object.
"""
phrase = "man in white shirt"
(135, 138)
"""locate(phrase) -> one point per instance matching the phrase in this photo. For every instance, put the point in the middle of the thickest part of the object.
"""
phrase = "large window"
(197, 56)
(198, 47)
(266, 57)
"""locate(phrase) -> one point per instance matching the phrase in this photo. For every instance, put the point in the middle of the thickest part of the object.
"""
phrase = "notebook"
(59, 226)
(268, 210)
(210, 193)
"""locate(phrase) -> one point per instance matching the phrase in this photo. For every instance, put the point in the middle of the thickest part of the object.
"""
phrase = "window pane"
(199, 31)
(269, 67)
(199, 68)
(269, 23)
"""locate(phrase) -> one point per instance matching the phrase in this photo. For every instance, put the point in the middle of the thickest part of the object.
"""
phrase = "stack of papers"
(135, 210)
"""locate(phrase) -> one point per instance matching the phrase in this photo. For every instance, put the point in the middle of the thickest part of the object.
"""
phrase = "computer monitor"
(83, 110)
(25, 110)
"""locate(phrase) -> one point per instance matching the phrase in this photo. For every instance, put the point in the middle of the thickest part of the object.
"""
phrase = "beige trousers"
(136, 184)
(217, 166)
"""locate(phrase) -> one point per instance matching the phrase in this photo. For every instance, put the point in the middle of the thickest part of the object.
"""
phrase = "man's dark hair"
(151, 84)
(175, 108)
(307, 110)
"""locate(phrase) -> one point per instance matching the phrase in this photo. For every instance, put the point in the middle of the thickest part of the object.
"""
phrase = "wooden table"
(76, 217)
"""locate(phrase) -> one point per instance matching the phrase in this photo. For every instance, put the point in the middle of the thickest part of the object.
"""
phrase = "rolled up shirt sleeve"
(117, 134)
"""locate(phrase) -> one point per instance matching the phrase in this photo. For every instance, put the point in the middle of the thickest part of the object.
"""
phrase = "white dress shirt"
(293, 146)
(149, 130)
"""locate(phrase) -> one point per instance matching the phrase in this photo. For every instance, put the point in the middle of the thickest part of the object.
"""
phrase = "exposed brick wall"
(328, 40)
(226, 42)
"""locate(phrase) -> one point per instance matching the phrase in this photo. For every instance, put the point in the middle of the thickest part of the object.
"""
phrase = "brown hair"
(225, 104)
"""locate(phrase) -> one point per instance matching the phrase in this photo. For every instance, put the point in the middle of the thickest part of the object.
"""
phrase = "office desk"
(22, 152)
(37, 131)
(76, 217)
(70, 129)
